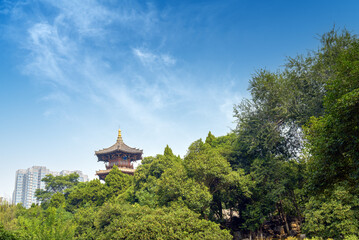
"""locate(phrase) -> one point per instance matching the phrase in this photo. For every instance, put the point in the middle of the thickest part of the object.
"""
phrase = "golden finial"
(119, 135)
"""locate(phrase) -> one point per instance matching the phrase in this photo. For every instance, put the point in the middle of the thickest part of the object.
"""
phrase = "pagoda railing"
(120, 165)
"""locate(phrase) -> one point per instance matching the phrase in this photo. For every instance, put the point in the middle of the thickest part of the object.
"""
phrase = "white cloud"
(91, 17)
(101, 67)
(156, 94)
(168, 60)
(48, 53)
(60, 97)
(88, 17)
(152, 60)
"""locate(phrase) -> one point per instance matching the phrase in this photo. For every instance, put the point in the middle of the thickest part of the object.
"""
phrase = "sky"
(72, 72)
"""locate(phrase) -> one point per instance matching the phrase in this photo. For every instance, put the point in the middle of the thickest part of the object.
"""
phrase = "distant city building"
(27, 181)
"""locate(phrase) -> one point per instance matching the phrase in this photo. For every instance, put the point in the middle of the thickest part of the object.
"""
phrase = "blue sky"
(165, 72)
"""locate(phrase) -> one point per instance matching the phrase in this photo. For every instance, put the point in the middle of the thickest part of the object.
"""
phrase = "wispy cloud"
(87, 17)
(89, 52)
(48, 53)
(6, 6)
(57, 97)
(152, 60)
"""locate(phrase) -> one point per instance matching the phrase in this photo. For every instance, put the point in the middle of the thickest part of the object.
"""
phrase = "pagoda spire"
(119, 137)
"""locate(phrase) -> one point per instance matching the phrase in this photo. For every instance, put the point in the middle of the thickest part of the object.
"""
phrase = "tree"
(92, 193)
(333, 214)
(206, 163)
(168, 152)
(175, 186)
(333, 139)
(148, 173)
(57, 200)
(116, 221)
(60, 183)
(117, 182)
(283, 101)
(333, 146)
(55, 184)
(85, 220)
(270, 141)
(43, 224)
(7, 235)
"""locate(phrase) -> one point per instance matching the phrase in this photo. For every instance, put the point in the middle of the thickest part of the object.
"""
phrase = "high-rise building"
(27, 181)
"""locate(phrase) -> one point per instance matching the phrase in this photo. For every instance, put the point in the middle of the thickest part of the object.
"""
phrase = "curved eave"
(108, 151)
(119, 147)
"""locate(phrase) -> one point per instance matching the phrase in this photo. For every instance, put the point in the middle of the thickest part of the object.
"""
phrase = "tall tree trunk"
(283, 216)
(299, 214)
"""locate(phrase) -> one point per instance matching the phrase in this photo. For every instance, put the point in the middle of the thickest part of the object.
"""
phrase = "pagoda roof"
(119, 146)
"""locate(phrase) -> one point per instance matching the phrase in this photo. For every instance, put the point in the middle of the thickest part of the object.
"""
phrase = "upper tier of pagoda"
(119, 148)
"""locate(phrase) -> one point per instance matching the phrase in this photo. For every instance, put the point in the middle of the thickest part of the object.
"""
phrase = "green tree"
(85, 223)
(116, 221)
(56, 184)
(269, 142)
(148, 173)
(333, 139)
(92, 193)
(168, 152)
(46, 224)
(6, 234)
(60, 183)
(333, 146)
(57, 200)
(117, 182)
(8, 215)
(333, 214)
(207, 164)
(283, 101)
(175, 186)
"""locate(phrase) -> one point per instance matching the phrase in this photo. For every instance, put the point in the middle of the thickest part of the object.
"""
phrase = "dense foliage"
(291, 166)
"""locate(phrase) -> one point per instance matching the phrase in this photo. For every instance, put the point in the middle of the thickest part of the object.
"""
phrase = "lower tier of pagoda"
(103, 173)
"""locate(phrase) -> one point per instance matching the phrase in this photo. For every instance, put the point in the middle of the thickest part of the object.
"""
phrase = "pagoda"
(120, 155)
